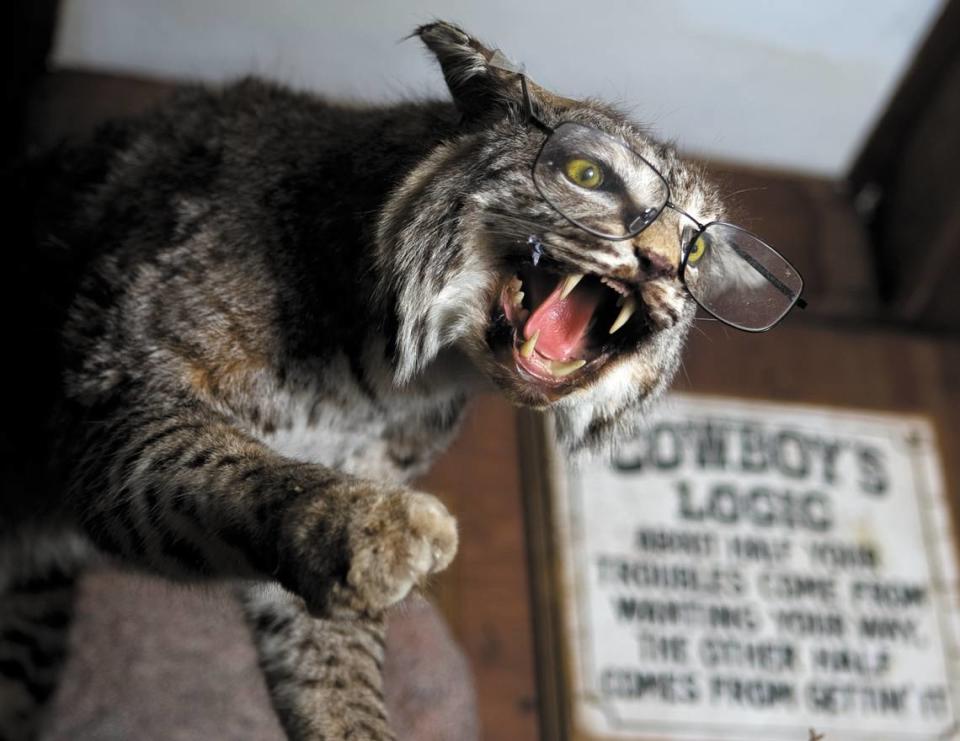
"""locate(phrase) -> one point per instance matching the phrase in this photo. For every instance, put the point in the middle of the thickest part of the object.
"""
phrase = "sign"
(751, 571)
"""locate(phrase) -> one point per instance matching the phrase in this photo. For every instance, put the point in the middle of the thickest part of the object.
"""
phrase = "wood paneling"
(810, 222)
(485, 592)
(69, 104)
(905, 181)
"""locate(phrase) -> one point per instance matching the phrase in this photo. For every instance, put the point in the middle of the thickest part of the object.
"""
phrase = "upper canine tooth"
(626, 311)
(515, 283)
(565, 368)
(569, 283)
(526, 349)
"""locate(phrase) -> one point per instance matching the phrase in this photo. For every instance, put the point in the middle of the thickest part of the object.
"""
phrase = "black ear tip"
(465, 65)
(442, 32)
(453, 46)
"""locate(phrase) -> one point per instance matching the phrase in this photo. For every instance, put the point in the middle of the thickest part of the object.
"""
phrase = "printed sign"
(753, 571)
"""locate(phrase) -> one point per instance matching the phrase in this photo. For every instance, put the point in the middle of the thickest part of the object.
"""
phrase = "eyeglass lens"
(740, 279)
(598, 183)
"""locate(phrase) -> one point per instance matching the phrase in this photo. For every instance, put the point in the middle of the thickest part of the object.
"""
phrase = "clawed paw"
(398, 540)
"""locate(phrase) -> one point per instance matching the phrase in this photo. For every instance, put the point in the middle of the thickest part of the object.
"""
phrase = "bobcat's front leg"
(325, 675)
(183, 492)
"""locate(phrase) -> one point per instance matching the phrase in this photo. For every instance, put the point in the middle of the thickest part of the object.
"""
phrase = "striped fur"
(325, 674)
(255, 315)
(38, 573)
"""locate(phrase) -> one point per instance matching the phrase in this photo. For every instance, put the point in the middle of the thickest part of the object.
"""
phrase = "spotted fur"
(255, 315)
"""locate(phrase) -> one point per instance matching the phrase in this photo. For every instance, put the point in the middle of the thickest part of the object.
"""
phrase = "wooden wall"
(906, 186)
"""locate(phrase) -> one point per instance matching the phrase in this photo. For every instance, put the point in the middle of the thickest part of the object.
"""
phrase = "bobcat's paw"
(398, 539)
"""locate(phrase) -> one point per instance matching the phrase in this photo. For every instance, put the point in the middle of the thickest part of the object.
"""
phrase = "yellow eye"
(584, 173)
(696, 252)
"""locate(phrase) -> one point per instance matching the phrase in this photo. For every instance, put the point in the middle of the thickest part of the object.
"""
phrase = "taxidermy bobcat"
(244, 320)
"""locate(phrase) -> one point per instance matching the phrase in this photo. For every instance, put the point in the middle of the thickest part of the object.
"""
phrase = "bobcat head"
(478, 258)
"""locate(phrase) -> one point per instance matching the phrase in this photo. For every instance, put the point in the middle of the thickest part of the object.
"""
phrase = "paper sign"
(753, 571)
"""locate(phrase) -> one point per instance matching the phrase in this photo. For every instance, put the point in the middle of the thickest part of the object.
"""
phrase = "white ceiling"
(786, 84)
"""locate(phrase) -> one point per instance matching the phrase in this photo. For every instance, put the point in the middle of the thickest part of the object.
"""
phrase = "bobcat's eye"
(697, 250)
(584, 173)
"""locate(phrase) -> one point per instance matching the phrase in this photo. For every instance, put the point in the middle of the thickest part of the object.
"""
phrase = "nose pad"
(643, 220)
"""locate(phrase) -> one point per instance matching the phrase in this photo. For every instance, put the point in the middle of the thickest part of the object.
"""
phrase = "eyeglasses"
(599, 184)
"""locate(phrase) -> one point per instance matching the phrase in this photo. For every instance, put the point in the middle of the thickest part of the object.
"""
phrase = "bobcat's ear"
(476, 86)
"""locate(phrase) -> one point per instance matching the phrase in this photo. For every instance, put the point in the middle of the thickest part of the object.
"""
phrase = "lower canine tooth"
(626, 311)
(569, 283)
(565, 368)
(526, 349)
(518, 299)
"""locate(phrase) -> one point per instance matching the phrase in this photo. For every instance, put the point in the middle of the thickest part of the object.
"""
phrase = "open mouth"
(562, 328)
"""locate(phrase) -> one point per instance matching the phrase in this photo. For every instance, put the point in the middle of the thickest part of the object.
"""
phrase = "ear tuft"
(475, 85)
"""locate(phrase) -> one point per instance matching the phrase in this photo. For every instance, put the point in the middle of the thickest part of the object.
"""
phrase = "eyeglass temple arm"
(528, 107)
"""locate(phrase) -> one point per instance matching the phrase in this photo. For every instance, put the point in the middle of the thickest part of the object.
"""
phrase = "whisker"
(702, 332)
(744, 190)
(529, 224)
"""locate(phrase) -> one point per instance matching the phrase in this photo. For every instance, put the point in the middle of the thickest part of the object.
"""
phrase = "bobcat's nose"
(657, 253)
(653, 265)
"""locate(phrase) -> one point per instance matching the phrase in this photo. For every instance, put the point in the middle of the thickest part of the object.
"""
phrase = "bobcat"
(253, 314)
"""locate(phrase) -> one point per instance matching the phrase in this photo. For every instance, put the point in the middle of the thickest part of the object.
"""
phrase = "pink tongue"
(562, 323)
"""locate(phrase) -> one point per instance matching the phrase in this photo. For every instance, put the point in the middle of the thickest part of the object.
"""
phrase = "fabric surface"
(154, 660)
